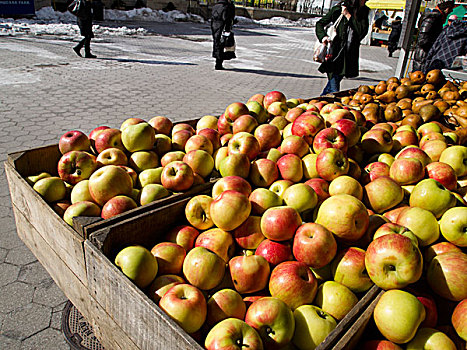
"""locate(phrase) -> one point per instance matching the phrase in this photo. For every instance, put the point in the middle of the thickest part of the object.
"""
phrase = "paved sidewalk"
(46, 90)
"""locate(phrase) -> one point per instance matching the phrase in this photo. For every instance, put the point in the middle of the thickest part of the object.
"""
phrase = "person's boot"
(219, 65)
(89, 55)
(390, 54)
(78, 48)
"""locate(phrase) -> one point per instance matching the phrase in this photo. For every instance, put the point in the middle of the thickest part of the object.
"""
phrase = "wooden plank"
(35, 161)
(58, 234)
(138, 316)
(351, 338)
(349, 320)
(106, 330)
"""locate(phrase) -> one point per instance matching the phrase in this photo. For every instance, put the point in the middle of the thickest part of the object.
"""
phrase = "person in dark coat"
(396, 29)
(344, 51)
(85, 27)
(430, 26)
(452, 42)
(222, 20)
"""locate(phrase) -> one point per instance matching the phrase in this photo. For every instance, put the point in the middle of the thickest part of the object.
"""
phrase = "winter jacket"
(345, 48)
(452, 42)
(393, 40)
(429, 27)
(222, 17)
(85, 21)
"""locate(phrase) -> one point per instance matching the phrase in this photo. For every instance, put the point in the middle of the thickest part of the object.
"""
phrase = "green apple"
(422, 223)
(52, 188)
(430, 339)
(345, 216)
(83, 208)
(459, 319)
(142, 160)
(203, 268)
(382, 194)
(312, 326)
(398, 315)
(109, 181)
(152, 192)
(392, 228)
(456, 156)
(274, 154)
(348, 268)
(453, 226)
(197, 212)
(138, 137)
(273, 320)
(429, 194)
(233, 333)
(186, 305)
(150, 176)
(300, 197)
(223, 304)
(346, 185)
(280, 186)
(161, 285)
(309, 166)
(335, 299)
(138, 264)
(80, 192)
(219, 155)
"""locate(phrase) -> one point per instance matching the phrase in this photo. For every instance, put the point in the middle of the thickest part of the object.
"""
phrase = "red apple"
(459, 319)
(75, 166)
(74, 140)
(377, 141)
(268, 136)
(348, 268)
(183, 235)
(350, 129)
(203, 268)
(217, 241)
(263, 172)
(331, 163)
(307, 126)
(117, 205)
(170, 257)
(275, 252)
(290, 167)
(248, 235)
(443, 173)
(249, 273)
(230, 209)
(161, 125)
(280, 223)
(273, 96)
(213, 136)
(236, 183)
(321, 188)
(314, 245)
(224, 304)
(407, 171)
(108, 138)
(293, 283)
(235, 110)
(177, 176)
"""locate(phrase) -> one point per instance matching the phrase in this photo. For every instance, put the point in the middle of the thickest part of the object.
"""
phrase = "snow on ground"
(49, 21)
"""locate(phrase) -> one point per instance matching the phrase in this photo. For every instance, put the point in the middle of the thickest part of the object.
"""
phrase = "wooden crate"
(139, 317)
(59, 247)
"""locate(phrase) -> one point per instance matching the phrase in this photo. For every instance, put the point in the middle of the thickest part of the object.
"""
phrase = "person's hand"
(346, 12)
(326, 40)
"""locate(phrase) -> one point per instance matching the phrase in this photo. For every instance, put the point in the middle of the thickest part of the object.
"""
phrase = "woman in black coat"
(345, 47)
(85, 27)
(222, 19)
(396, 30)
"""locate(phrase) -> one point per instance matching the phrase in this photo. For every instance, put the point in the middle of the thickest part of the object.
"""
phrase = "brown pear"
(357, 96)
(427, 88)
(442, 105)
(406, 112)
(449, 85)
(381, 88)
(366, 98)
(365, 89)
(405, 103)
(406, 80)
(417, 77)
(461, 103)
(412, 119)
(354, 103)
(402, 91)
(392, 87)
(416, 105)
(432, 95)
(435, 77)
(387, 97)
(451, 95)
(392, 113)
(393, 80)
(345, 100)
(429, 112)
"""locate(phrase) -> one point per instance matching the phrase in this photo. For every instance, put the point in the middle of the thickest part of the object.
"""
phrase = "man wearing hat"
(430, 26)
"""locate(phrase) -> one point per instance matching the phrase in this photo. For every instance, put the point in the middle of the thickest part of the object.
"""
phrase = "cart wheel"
(78, 332)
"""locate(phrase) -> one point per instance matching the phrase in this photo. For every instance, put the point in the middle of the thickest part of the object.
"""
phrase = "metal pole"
(412, 9)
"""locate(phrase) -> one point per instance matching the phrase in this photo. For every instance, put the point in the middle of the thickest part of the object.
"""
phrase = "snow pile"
(147, 14)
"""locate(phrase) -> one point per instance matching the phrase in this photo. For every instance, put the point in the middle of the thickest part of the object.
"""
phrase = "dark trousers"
(219, 62)
(86, 42)
(333, 85)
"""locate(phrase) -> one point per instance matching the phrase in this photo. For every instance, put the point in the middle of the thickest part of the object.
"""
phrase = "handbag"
(332, 30)
(76, 7)
(228, 41)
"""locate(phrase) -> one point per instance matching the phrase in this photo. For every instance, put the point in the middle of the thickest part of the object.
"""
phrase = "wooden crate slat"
(144, 322)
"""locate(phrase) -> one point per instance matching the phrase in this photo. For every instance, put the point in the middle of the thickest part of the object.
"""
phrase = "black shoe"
(77, 50)
(90, 55)
(390, 54)
(219, 68)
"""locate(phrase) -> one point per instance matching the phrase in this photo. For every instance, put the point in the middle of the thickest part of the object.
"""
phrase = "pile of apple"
(317, 202)
(115, 170)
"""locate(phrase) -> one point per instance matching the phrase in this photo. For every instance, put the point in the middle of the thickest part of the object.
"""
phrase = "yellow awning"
(386, 4)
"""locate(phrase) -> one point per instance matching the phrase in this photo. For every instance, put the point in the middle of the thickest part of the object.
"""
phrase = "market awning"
(386, 4)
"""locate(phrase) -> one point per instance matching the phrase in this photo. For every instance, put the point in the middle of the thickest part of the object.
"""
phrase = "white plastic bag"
(320, 51)
(332, 30)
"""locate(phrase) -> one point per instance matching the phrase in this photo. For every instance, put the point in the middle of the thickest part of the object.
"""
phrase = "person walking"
(396, 30)
(85, 27)
(343, 55)
(222, 20)
(430, 26)
(452, 42)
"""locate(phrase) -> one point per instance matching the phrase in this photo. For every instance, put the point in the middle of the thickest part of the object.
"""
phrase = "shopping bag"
(228, 40)
(76, 7)
(320, 51)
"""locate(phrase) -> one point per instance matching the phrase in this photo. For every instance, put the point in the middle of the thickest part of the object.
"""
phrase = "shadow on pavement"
(270, 73)
(126, 60)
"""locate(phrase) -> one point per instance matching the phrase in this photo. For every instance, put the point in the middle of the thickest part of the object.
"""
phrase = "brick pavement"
(46, 90)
